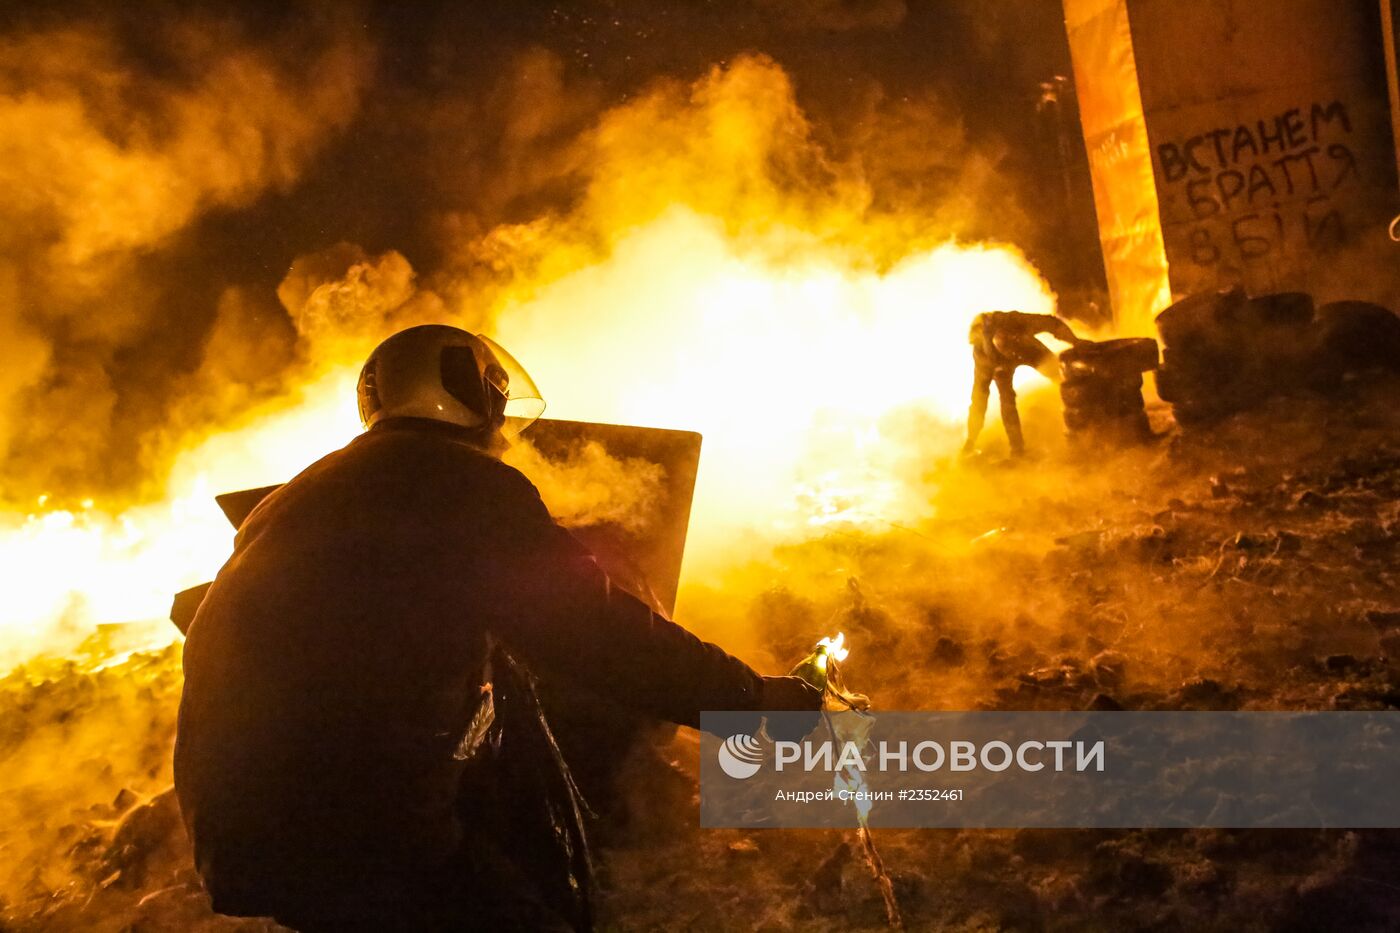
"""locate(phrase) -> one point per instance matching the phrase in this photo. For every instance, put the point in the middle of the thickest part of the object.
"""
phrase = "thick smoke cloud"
(161, 178)
(342, 299)
(108, 155)
(891, 177)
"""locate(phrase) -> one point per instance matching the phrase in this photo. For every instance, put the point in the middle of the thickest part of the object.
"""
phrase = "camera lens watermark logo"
(740, 756)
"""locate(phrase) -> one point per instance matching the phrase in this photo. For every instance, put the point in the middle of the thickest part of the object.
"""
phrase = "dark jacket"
(1007, 338)
(332, 668)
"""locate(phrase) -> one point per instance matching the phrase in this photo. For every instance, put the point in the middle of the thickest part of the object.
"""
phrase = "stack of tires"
(1225, 352)
(1102, 390)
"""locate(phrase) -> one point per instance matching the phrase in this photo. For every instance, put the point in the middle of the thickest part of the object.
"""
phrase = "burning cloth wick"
(821, 670)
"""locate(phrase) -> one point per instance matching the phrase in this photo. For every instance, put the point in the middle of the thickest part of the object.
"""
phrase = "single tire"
(1280, 309)
(1123, 355)
(1084, 392)
(1127, 404)
(1081, 376)
(1175, 385)
(1077, 416)
(1213, 366)
(1101, 398)
(1357, 335)
(1197, 314)
(1079, 372)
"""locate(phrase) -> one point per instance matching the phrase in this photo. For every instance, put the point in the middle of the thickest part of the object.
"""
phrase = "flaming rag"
(335, 764)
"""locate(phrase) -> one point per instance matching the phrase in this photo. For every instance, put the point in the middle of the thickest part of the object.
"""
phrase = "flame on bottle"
(835, 647)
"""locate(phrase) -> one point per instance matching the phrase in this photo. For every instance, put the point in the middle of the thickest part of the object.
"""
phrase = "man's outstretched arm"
(569, 621)
(1057, 328)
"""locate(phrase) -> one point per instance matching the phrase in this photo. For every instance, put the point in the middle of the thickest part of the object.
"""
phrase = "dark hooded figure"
(1001, 342)
(359, 742)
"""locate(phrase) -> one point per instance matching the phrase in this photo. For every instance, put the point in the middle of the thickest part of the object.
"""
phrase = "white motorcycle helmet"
(444, 373)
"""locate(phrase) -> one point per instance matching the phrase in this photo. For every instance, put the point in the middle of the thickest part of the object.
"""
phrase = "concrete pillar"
(1266, 127)
(1120, 161)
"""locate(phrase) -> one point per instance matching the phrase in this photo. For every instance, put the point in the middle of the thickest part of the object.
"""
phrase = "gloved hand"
(795, 695)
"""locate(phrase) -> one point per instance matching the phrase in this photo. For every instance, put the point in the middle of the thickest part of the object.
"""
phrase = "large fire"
(790, 373)
(818, 352)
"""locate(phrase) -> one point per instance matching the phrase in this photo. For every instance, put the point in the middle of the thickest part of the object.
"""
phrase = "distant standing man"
(1002, 341)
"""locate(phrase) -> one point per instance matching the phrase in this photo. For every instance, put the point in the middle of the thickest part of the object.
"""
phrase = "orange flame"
(820, 347)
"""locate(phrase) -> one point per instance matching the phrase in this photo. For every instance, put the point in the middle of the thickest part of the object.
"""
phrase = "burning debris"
(822, 669)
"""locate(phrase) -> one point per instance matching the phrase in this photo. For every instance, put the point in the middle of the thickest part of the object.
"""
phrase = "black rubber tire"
(1198, 313)
(1280, 309)
(1080, 374)
(1179, 386)
(1357, 335)
(1100, 396)
(1123, 355)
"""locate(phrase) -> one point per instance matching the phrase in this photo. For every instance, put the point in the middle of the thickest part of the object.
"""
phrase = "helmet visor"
(524, 403)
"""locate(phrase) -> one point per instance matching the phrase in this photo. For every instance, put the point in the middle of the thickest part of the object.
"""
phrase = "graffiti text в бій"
(1256, 188)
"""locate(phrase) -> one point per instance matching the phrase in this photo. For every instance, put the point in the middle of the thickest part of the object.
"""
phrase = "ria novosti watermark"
(740, 756)
(1046, 769)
